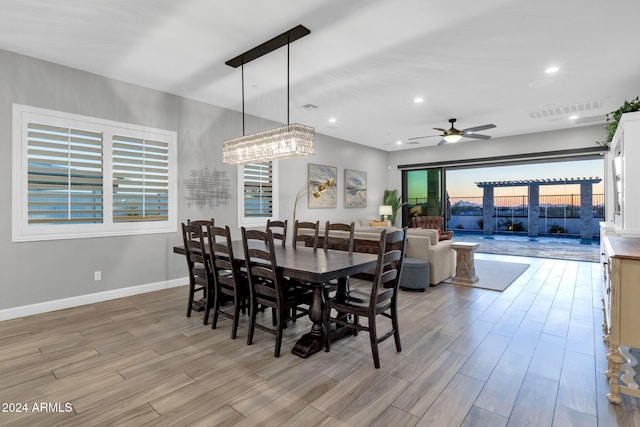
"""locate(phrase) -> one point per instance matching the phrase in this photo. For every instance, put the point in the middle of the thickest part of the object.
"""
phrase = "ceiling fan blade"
(420, 137)
(442, 142)
(440, 129)
(476, 135)
(477, 128)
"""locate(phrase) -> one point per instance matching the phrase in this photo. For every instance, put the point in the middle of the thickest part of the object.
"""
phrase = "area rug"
(495, 275)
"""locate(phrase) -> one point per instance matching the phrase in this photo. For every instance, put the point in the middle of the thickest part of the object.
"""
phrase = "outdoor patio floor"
(559, 248)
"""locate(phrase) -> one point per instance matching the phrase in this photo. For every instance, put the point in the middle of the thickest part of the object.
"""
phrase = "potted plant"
(613, 118)
(392, 199)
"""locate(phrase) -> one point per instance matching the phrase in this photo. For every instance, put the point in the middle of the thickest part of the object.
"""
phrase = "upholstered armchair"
(433, 222)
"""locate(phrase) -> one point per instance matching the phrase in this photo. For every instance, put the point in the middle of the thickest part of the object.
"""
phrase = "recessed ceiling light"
(399, 142)
(332, 120)
(418, 99)
(546, 81)
(573, 117)
(552, 69)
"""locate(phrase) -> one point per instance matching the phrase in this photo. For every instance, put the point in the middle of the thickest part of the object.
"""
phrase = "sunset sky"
(461, 183)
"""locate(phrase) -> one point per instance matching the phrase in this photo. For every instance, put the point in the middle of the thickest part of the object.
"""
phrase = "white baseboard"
(47, 306)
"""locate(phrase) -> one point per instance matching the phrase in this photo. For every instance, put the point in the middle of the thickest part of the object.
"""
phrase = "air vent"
(561, 110)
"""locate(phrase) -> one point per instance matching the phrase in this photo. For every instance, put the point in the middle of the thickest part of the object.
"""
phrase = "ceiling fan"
(454, 135)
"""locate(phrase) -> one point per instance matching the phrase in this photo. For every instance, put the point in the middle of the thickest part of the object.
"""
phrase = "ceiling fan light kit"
(454, 137)
(291, 140)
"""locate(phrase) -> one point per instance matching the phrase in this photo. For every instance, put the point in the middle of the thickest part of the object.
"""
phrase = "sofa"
(421, 243)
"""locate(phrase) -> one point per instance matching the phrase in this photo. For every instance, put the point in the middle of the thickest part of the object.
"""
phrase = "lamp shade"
(385, 210)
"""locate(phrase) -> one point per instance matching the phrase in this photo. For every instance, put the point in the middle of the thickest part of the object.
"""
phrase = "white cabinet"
(623, 177)
(621, 306)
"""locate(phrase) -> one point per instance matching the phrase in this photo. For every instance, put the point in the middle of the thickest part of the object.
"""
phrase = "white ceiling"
(364, 61)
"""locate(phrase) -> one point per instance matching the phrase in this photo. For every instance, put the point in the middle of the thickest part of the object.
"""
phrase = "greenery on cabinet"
(613, 118)
(392, 199)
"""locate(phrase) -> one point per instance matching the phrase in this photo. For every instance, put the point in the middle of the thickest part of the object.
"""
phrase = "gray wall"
(35, 272)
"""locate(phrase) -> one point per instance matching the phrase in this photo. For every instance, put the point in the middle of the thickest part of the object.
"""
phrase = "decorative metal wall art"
(208, 188)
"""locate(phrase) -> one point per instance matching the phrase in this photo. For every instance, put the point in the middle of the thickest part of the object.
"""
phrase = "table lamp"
(385, 211)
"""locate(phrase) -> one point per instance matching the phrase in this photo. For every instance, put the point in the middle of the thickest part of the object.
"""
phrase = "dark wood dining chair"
(279, 230)
(199, 266)
(306, 233)
(230, 282)
(204, 223)
(379, 299)
(339, 236)
(268, 288)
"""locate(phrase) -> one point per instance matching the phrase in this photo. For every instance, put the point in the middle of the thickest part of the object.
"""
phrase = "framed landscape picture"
(355, 189)
(320, 174)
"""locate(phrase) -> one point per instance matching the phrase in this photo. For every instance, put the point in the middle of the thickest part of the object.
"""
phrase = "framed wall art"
(320, 174)
(355, 189)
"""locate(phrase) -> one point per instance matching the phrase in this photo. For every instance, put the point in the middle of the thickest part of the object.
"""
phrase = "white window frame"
(253, 222)
(23, 231)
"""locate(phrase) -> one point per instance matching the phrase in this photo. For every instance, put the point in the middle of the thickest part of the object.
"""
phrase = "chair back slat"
(306, 233)
(343, 240)
(221, 249)
(279, 230)
(195, 249)
(262, 268)
(386, 278)
(203, 223)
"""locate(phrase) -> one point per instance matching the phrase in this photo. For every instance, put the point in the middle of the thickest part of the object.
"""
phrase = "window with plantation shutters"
(76, 176)
(257, 201)
(258, 191)
(64, 175)
(140, 179)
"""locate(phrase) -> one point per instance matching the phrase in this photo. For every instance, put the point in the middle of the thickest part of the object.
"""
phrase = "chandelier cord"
(242, 74)
(288, 90)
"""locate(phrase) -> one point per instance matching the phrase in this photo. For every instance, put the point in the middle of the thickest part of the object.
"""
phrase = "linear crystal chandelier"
(291, 140)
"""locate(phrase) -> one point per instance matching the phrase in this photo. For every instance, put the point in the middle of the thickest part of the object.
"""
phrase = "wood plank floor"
(531, 355)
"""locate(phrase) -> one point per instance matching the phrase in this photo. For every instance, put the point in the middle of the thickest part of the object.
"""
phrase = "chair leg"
(236, 316)
(190, 303)
(394, 324)
(216, 309)
(252, 321)
(207, 305)
(373, 337)
(279, 329)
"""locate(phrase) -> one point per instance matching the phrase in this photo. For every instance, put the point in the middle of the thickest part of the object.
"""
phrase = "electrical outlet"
(97, 275)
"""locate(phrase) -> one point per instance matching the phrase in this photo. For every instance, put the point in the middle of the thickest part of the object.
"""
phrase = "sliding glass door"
(424, 192)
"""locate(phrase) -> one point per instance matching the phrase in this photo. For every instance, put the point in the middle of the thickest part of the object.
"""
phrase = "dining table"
(315, 267)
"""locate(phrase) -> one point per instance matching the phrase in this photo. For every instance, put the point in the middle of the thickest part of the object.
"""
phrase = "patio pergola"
(586, 202)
